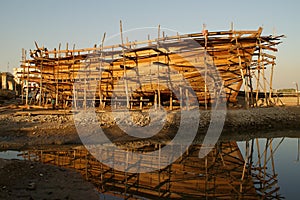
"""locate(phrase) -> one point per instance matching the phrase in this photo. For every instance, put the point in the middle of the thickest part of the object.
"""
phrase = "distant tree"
(287, 90)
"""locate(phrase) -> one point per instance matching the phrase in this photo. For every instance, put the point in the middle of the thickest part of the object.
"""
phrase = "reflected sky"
(288, 168)
(287, 164)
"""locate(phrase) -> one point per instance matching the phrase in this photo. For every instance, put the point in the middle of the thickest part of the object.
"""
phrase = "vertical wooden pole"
(74, 98)
(250, 97)
(243, 75)
(141, 103)
(124, 64)
(205, 63)
(158, 87)
(258, 74)
(181, 100)
(104, 103)
(155, 100)
(171, 101)
(264, 82)
(23, 74)
(74, 91)
(271, 80)
(158, 83)
(41, 83)
(57, 73)
(100, 70)
(187, 99)
(27, 89)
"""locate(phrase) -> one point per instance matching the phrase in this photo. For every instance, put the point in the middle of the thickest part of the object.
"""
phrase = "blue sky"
(84, 22)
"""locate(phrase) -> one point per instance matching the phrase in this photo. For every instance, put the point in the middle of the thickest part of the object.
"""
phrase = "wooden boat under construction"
(189, 68)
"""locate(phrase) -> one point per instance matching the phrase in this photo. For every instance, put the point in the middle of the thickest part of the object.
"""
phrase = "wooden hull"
(213, 65)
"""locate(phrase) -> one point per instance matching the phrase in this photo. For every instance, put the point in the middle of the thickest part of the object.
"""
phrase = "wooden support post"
(187, 99)
(124, 64)
(141, 103)
(131, 103)
(23, 73)
(204, 32)
(181, 98)
(41, 84)
(155, 100)
(27, 83)
(271, 81)
(251, 98)
(74, 98)
(264, 82)
(243, 76)
(85, 89)
(158, 77)
(257, 85)
(57, 73)
(100, 71)
(171, 101)
(158, 90)
(104, 103)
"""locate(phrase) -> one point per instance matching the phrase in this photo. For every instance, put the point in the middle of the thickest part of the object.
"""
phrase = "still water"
(287, 166)
(11, 155)
(259, 168)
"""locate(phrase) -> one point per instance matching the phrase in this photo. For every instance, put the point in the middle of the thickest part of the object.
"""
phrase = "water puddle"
(259, 167)
(10, 154)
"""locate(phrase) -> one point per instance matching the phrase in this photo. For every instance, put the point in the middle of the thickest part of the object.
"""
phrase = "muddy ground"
(22, 128)
(25, 180)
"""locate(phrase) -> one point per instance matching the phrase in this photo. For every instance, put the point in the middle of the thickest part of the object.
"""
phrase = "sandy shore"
(26, 128)
(21, 129)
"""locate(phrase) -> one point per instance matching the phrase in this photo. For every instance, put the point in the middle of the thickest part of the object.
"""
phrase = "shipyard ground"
(34, 128)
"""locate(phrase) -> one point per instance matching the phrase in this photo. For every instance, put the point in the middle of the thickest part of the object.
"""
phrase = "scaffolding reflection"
(223, 174)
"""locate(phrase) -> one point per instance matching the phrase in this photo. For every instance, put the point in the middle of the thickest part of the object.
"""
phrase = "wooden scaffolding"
(155, 71)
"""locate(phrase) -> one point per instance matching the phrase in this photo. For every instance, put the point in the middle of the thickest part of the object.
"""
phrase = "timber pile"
(161, 70)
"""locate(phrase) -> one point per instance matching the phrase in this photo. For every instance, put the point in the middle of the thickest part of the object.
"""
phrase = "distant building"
(8, 86)
(7, 81)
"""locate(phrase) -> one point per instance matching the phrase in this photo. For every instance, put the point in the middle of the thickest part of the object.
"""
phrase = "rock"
(31, 186)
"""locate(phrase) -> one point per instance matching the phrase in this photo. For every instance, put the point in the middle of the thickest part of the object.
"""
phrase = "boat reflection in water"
(232, 170)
